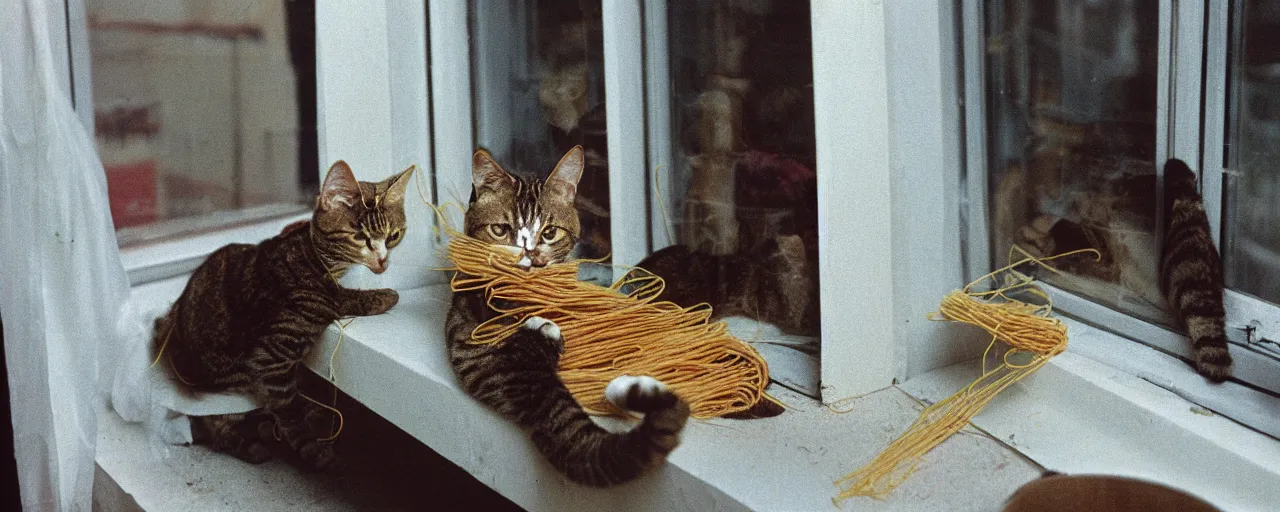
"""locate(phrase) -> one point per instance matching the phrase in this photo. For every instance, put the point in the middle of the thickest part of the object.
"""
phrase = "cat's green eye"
(499, 230)
(550, 234)
(394, 238)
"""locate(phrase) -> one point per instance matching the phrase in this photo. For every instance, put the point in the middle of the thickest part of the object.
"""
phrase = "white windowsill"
(172, 257)
(396, 365)
(1097, 408)
(1077, 414)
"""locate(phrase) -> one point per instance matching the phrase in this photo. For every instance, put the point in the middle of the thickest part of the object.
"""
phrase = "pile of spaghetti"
(1033, 337)
(609, 333)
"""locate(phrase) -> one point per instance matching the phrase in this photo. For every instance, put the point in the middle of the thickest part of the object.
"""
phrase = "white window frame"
(893, 171)
(893, 192)
(1182, 42)
(902, 266)
(873, 188)
(372, 112)
(1242, 310)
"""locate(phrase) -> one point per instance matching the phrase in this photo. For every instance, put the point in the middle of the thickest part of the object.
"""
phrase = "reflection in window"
(201, 110)
(1253, 240)
(744, 182)
(1071, 113)
(538, 78)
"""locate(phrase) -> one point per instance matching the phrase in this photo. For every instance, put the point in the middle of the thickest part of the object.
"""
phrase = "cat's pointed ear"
(487, 174)
(564, 178)
(397, 184)
(340, 188)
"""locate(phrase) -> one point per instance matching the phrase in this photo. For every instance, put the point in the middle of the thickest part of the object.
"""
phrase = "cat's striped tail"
(1191, 272)
(591, 455)
(519, 378)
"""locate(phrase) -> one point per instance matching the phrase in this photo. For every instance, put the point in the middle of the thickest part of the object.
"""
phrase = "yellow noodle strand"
(608, 333)
(334, 410)
(1025, 327)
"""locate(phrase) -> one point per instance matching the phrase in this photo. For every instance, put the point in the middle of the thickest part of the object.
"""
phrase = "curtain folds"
(61, 280)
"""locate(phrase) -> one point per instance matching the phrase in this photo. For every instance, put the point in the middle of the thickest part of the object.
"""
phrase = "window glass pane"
(1071, 120)
(743, 182)
(1252, 224)
(204, 114)
(538, 78)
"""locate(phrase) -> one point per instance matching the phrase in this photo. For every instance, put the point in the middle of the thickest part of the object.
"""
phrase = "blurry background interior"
(204, 111)
(1252, 218)
(1071, 113)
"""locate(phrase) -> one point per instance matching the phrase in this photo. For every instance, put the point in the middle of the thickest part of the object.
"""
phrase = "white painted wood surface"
(859, 353)
(396, 364)
(1214, 118)
(624, 107)
(927, 163)
(494, 37)
(1087, 412)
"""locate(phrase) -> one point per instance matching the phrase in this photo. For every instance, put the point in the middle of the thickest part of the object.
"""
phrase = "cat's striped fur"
(250, 313)
(518, 377)
(1191, 272)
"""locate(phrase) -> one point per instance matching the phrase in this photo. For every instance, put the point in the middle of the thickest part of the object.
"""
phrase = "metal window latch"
(1248, 333)
(1260, 341)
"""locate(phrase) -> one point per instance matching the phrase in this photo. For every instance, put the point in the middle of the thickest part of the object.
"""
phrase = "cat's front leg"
(547, 333)
(272, 367)
(276, 386)
(366, 302)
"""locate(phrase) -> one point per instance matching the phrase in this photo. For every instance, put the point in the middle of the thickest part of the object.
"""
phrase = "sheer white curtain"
(61, 282)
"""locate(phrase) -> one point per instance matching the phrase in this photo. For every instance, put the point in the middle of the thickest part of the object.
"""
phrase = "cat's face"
(534, 217)
(358, 222)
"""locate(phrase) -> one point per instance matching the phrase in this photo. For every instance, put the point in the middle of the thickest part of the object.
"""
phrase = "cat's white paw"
(544, 326)
(624, 390)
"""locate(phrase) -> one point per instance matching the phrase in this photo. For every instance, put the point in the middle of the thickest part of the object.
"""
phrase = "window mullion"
(624, 113)
(977, 239)
(854, 198)
(663, 191)
(450, 76)
(1179, 79)
(1187, 73)
(1215, 104)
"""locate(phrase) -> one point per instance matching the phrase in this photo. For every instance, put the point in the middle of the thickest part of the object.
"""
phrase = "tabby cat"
(518, 377)
(250, 313)
(1191, 272)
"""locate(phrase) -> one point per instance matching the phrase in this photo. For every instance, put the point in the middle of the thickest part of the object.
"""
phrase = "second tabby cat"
(250, 313)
